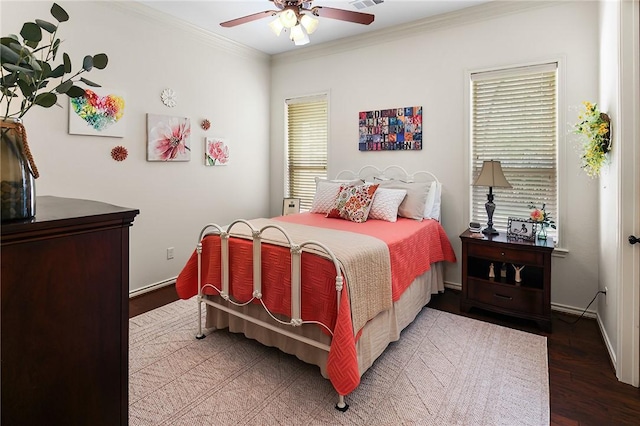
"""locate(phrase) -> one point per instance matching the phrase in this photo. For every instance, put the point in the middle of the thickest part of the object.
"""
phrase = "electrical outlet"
(170, 253)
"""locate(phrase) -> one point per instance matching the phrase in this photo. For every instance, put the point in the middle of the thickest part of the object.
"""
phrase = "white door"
(628, 357)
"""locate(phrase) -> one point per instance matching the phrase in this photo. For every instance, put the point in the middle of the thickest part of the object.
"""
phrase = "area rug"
(445, 370)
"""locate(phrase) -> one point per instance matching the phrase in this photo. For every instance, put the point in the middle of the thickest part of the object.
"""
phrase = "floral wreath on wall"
(596, 127)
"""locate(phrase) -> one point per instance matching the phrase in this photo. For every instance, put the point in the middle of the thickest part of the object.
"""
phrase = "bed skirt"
(376, 335)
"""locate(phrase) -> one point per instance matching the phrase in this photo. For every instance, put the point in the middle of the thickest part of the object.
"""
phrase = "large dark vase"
(17, 188)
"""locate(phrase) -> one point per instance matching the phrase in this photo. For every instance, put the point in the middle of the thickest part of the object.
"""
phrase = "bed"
(332, 286)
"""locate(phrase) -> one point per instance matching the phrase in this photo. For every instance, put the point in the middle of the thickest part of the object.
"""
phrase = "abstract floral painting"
(100, 112)
(216, 152)
(168, 138)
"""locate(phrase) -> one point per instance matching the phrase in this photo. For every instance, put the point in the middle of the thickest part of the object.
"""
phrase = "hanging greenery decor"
(596, 127)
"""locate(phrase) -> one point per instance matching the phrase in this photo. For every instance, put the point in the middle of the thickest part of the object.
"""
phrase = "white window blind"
(307, 130)
(514, 121)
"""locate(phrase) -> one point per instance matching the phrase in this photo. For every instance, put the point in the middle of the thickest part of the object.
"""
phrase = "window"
(307, 130)
(514, 121)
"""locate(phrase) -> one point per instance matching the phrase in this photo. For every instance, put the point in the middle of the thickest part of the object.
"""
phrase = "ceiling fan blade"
(343, 15)
(248, 18)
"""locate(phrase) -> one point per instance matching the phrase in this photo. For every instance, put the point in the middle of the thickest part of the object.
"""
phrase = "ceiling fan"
(291, 16)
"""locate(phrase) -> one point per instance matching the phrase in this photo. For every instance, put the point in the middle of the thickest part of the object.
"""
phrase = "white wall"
(226, 83)
(609, 185)
(426, 65)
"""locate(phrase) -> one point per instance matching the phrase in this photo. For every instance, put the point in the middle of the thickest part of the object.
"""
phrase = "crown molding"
(474, 14)
(217, 41)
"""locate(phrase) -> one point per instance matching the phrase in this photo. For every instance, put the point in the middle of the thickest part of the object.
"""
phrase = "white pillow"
(435, 213)
(326, 193)
(413, 205)
(432, 206)
(385, 204)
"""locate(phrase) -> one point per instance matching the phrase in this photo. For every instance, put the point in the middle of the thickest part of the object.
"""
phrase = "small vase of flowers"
(596, 127)
(541, 216)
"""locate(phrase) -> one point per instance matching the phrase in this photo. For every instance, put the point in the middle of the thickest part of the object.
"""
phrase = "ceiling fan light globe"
(276, 26)
(288, 18)
(299, 37)
(297, 33)
(303, 41)
(309, 23)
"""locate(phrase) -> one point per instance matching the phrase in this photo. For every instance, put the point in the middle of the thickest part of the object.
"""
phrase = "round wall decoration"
(205, 124)
(168, 97)
(119, 153)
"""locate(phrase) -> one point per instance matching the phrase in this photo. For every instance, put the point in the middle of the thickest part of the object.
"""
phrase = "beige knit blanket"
(364, 261)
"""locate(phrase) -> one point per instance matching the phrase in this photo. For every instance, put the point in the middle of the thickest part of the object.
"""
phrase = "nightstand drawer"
(511, 255)
(512, 298)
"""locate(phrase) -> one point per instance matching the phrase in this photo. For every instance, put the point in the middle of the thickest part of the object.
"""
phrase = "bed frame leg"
(200, 335)
(341, 405)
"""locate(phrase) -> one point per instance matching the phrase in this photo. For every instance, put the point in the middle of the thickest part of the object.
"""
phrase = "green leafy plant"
(595, 126)
(28, 69)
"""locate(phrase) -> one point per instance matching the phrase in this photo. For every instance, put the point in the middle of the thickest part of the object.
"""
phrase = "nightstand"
(530, 298)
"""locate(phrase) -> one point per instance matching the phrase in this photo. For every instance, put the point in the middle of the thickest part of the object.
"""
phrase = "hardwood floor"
(154, 299)
(582, 383)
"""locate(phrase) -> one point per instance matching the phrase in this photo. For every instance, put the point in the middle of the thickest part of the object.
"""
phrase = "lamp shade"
(288, 18)
(491, 175)
(297, 34)
(276, 26)
(302, 41)
(310, 24)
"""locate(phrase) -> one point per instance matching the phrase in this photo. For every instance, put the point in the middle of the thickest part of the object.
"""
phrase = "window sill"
(560, 252)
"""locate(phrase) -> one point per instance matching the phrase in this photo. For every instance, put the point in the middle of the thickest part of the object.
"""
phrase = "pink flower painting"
(216, 152)
(168, 138)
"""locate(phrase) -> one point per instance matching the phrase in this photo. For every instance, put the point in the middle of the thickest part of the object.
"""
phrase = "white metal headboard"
(369, 173)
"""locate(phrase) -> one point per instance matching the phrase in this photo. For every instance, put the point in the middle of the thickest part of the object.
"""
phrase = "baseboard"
(571, 310)
(453, 286)
(152, 287)
(607, 343)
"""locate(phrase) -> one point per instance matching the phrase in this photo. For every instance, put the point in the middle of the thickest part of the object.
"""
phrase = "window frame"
(306, 189)
(560, 139)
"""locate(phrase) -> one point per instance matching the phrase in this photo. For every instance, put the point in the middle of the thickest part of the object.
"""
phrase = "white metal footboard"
(296, 319)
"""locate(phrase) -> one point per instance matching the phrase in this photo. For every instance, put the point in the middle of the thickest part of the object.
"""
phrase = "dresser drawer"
(511, 255)
(509, 297)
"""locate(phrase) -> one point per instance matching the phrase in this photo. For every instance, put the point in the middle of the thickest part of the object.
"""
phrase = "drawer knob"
(502, 253)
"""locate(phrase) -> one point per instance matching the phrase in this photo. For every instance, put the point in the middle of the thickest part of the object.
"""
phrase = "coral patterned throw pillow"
(353, 202)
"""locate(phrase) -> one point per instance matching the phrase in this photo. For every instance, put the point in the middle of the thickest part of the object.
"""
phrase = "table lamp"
(491, 175)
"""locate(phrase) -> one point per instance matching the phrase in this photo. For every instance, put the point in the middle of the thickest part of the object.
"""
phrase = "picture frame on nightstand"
(521, 229)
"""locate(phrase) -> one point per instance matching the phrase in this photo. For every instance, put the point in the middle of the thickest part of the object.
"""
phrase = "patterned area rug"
(445, 370)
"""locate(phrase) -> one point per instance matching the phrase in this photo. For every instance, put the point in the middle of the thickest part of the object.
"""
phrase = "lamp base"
(490, 230)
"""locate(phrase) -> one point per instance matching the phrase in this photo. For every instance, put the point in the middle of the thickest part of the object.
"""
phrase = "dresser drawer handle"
(502, 253)
(500, 296)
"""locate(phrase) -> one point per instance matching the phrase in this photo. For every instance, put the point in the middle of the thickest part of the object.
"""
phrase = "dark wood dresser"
(65, 314)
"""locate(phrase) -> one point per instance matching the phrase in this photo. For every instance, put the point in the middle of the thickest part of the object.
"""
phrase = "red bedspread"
(413, 246)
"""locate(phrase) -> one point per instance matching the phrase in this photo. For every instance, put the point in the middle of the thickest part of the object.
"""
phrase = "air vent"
(363, 4)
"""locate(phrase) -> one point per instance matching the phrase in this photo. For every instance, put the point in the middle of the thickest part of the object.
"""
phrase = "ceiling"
(208, 14)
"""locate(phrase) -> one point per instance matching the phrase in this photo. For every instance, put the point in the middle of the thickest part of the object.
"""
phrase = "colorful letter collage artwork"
(397, 129)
